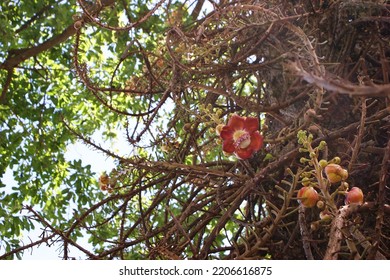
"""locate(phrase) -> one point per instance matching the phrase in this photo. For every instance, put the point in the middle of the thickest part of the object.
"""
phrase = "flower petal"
(226, 133)
(236, 122)
(256, 141)
(251, 124)
(228, 146)
(243, 153)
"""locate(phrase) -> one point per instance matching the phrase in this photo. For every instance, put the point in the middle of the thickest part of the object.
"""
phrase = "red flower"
(241, 136)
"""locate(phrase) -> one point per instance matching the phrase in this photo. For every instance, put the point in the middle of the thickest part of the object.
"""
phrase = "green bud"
(301, 135)
(303, 160)
(268, 157)
(306, 174)
(305, 181)
(344, 186)
(336, 160)
(322, 145)
(323, 163)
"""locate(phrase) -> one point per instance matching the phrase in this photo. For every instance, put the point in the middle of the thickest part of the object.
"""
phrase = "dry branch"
(336, 84)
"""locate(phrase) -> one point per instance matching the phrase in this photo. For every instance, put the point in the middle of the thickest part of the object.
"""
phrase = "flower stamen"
(241, 139)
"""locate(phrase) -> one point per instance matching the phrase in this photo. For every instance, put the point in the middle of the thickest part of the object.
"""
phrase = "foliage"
(167, 74)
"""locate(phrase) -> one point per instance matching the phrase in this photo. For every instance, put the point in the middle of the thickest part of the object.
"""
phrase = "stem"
(321, 180)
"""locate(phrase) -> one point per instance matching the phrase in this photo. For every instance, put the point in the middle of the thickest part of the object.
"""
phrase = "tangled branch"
(292, 68)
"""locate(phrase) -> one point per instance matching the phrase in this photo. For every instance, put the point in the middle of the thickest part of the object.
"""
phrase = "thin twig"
(359, 136)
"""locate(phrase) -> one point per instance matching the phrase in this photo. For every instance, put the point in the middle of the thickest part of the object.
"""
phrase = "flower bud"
(187, 127)
(303, 160)
(305, 181)
(76, 17)
(336, 160)
(308, 196)
(78, 24)
(354, 196)
(309, 115)
(160, 62)
(104, 179)
(165, 148)
(322, 145)
(335, 173)
(323, 163)
(344, 186)
(320, 204)
(314, 226)
(314, 129)
(325, 216)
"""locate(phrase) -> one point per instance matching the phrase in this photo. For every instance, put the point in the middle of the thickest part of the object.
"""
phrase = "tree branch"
(197, 9)
(15, 57)
(31, 245)
(339, 85)
(336, 234)
(304, 233)
(381, 202)
(23, 54)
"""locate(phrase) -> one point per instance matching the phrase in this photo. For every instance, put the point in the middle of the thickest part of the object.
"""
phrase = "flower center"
(241, 139)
